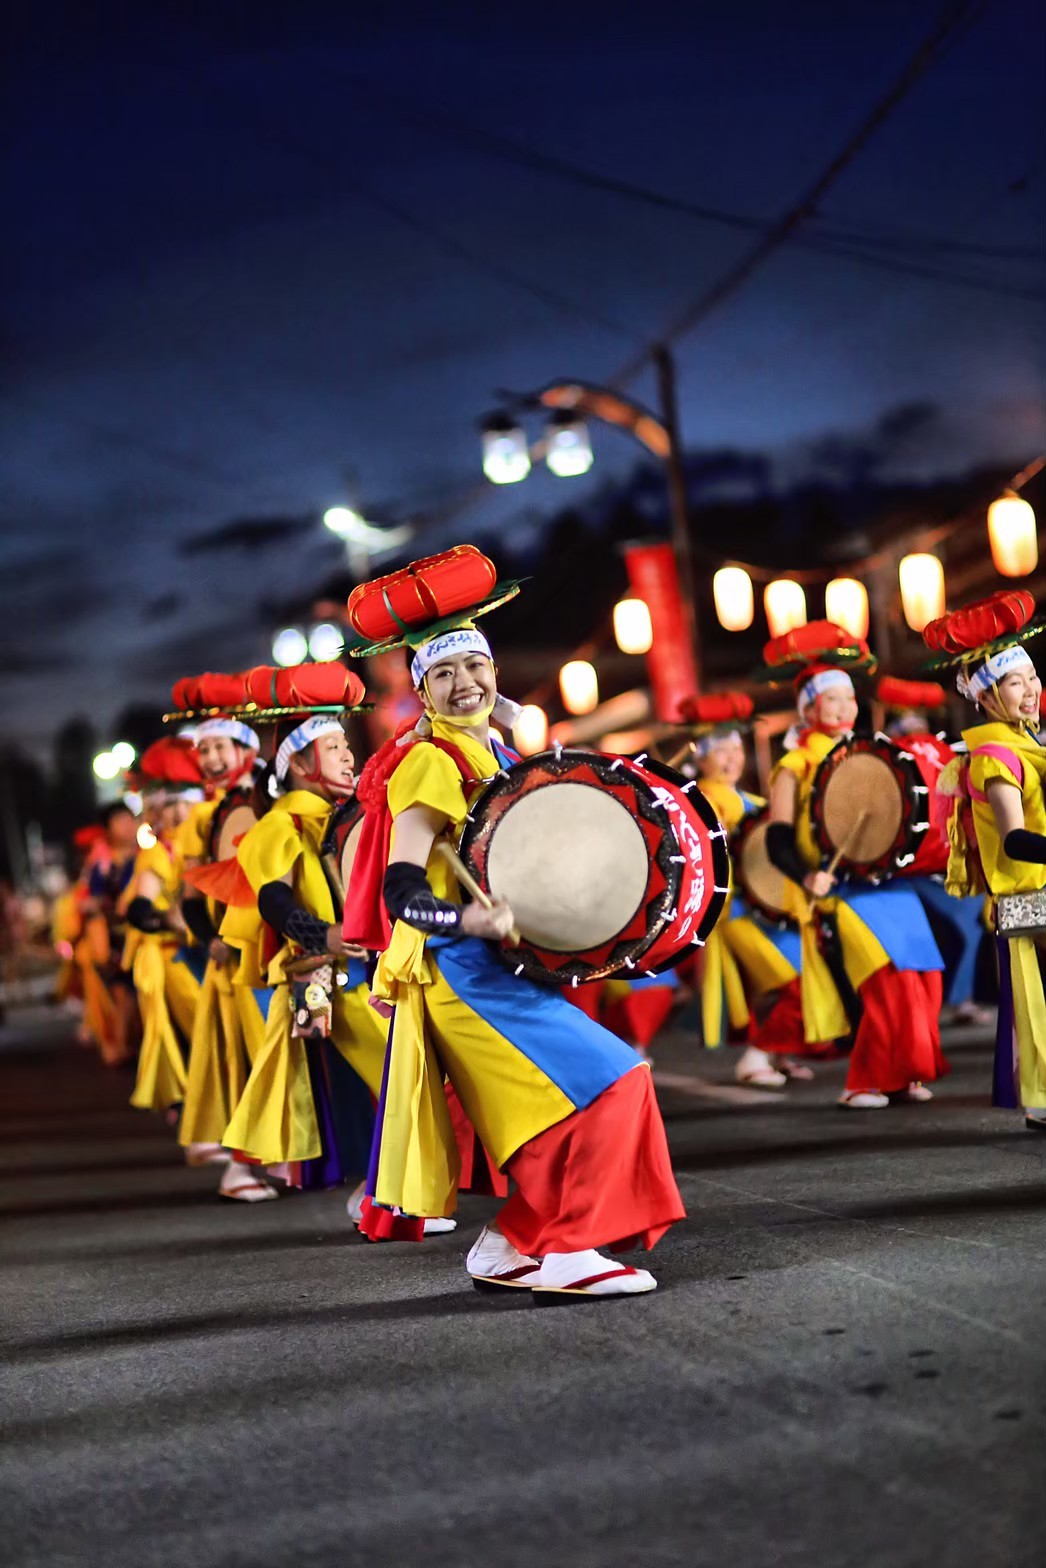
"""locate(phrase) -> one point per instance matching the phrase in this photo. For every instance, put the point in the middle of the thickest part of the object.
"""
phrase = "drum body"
(233, 816)
(876, 801)
(758, 880)
(609, 865)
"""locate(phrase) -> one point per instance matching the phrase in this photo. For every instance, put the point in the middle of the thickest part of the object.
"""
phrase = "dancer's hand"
(337, 944)
(221, 952)
(491, 924)
(819, 883)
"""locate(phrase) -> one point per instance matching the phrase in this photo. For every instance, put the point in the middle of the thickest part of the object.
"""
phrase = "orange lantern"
(579, 686)
(922, 589)
(734, 599)
(785, 604)
(846, 603)
(633, 629)
(1013, 537)
(530, 731)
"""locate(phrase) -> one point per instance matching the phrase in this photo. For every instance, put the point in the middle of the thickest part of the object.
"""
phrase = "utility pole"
(677, 498)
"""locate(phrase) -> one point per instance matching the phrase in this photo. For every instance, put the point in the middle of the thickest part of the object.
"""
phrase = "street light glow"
(506, 456)
(289, 646)
(145, 836)
(343, 521)
(568, 447)
(326, 642)
(124, 753)
(105, 765)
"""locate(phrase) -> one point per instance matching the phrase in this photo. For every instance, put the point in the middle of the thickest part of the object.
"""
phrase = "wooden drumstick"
(469, 883)
(680, 757)
(844, 848)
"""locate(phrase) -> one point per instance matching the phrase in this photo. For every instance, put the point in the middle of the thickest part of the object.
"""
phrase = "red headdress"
(977, 628)
(171, 760)
(809, 649)
(717, 708)
(919, 696)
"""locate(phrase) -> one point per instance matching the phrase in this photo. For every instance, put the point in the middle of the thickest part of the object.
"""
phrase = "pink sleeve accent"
(1002, 754)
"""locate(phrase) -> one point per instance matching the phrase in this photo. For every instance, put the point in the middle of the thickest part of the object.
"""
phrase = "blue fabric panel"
(579, 1056)
(263, 996)
(194, 959)
(963, 918)
(894, 914)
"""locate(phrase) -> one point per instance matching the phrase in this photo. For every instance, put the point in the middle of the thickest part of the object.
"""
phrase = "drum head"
(758, 879)
(573, 864)
(584, 852)
(340, 844)
(870, 801)
(233, 817)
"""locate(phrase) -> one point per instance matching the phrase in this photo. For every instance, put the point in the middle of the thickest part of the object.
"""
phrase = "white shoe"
(354, 1209)
(917, 1092)
(240, 1182)
(864, 1100)
(439, 1227)
(589, 1274)
(495, 1264)
(756, 1071)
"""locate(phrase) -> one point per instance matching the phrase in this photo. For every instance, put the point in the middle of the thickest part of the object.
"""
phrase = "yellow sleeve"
(269, 849)
(427, 777)
(984, 769)
(192, 838)
(791, 762)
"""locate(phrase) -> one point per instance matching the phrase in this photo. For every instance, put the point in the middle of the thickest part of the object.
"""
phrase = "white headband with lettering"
(234, 729)
(315, 726)
(466, 639)
(824, 680)
(992, 670)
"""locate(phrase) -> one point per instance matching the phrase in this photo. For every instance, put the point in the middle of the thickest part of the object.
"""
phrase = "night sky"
(260, 260)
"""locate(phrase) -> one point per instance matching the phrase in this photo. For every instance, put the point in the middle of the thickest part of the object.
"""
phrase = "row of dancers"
(300, 1031)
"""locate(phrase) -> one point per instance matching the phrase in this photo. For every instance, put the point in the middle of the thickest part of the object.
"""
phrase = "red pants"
(600, 1178)
(899, 1038)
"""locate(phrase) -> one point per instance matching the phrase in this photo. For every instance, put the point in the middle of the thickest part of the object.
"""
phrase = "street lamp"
(123, 754)
(290, 646)
(568, 449)
(105, 765)
(326, 643)
(506, 455)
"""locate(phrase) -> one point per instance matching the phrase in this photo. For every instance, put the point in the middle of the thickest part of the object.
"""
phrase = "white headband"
(1002, 663)
(315, 726)
(465, 640)
(704, 743)
(233, 728)
(823, 681)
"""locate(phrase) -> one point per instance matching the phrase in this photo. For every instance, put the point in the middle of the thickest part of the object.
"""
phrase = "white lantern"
(734, 600)
(326, 642)
(846, 603)
(785, 604)
(922, 589)
(290, 647)
(568, 450)
(530, 731)
(506, 456)
(633, 629)
(1013, 537)
(579, 686)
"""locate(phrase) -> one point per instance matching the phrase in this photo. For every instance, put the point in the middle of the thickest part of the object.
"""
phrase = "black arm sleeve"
(279, 909)
(144, 916)
(783, 851)
(1022, 844)
(408, 897)
(198, 918)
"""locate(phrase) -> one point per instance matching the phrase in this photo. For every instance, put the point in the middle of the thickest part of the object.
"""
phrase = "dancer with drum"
(870, 966)
(307, 1107)
(958, 923)
(111, 1015)
(747, 960)
(166, 967)
(562, 1105)
(998, 824)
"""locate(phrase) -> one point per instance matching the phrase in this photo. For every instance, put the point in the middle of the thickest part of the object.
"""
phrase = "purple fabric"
(1006, 1074)
(379, 1119)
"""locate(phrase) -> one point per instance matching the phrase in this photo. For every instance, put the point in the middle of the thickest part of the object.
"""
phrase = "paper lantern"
(579, 686)
(1012, 535)
(785, 604)
(922, 589)
(633, 629)
(846, 603)
(530, 731)
(734, 599)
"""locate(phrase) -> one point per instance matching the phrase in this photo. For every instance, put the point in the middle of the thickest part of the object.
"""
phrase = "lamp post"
(565, 447)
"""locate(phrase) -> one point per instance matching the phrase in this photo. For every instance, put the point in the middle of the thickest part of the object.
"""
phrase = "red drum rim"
(345, 816)
(916, 819)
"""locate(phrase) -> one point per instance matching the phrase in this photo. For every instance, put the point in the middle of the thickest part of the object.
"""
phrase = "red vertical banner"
(652, 576)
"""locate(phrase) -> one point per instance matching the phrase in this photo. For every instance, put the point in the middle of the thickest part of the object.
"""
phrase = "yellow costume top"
(161, 860)
(192, 840)
(274, 846)
(803, 763)
(1002, 874)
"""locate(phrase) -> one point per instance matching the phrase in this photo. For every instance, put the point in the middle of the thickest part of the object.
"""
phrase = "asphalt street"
(844, 1363)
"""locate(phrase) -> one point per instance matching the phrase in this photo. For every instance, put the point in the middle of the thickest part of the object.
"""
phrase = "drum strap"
(1001, 754)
